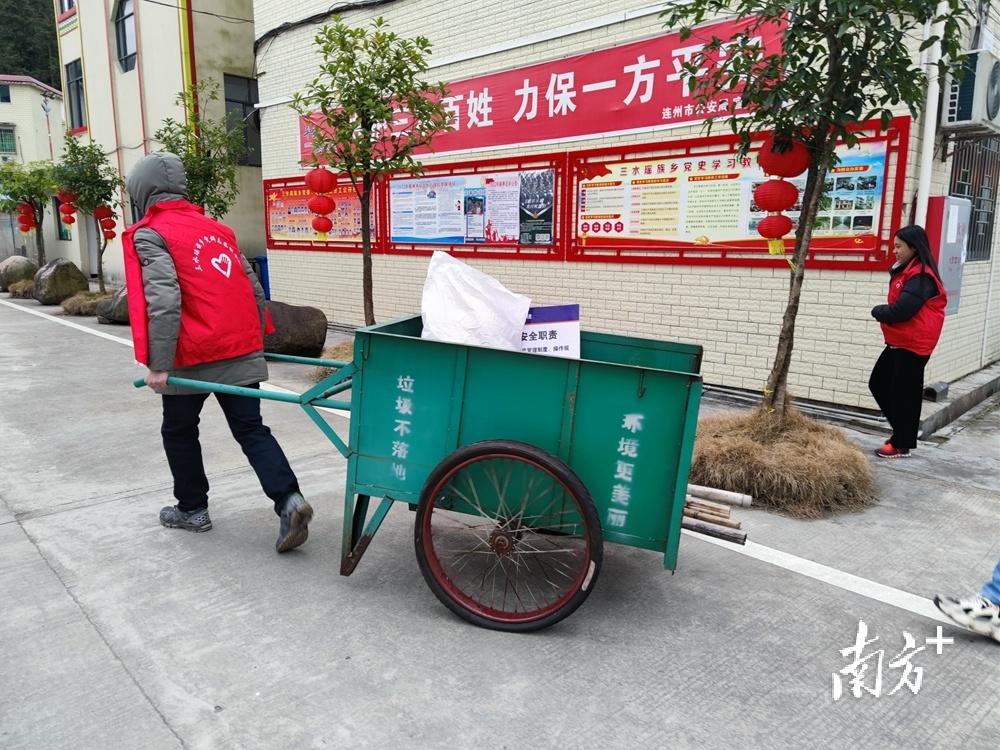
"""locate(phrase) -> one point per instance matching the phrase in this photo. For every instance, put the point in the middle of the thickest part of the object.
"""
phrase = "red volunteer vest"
(920, 333)
(219, 316)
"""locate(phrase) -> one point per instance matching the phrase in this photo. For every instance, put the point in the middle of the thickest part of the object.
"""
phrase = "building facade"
(31, 129)
(587, 99)
(124, 63)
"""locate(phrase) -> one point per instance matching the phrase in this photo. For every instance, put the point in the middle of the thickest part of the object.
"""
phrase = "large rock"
(16, 268)
(114, 310)
(299, 330)
(58, 280)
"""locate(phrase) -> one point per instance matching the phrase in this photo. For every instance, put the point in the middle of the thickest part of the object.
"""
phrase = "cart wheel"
(507, 536)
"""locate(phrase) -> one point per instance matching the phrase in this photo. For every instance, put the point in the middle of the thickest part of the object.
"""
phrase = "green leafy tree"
(28, 41)
(86, 171)
(841, 62)
(33, 183)
(369, 78)
(210, 147)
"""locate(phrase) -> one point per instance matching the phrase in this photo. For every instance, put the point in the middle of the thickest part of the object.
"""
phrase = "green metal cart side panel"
(627, 444)
(636, 352)
(511, 396)
(403, 410)
(684, 468)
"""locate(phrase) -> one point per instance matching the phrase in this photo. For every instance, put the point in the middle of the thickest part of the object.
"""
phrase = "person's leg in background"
(271, 466)
(991, 589)
(883, 385)
(180, 442)
(978, 613)
(880, 382)
(907, 397)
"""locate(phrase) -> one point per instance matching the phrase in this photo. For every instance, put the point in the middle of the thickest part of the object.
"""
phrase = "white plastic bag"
(461, 305)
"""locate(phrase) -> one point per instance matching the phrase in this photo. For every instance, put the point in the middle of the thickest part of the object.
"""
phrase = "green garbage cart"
(519, 466)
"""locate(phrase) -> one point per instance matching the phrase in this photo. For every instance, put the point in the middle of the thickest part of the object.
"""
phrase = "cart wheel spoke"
(507, 536)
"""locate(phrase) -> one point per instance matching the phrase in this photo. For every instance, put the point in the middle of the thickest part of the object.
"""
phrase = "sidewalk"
(118, 633)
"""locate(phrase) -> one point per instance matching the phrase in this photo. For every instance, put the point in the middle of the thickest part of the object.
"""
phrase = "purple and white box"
(553, 331)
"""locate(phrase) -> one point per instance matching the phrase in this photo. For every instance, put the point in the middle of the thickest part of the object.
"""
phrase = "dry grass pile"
(342, 352)
(22, 289)
(807, 469)
(83, 303)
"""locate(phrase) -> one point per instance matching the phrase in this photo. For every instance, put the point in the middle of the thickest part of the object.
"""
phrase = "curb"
(958, 407)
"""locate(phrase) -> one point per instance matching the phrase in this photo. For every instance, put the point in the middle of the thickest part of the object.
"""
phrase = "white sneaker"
(975, 612)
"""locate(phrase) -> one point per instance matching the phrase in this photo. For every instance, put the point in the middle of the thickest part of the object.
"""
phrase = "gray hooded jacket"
(156, 178)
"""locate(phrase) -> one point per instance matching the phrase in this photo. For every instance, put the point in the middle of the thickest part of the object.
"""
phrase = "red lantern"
(25, 209)
(65, 196)
(775, 195)
(68, 219)
(25, 226)
(109, 234)
(774, 227)
(107, 223)
(320, 180)
(322, 224)
(67, 208)
(321, 204)
(789, 160)
(103, 212)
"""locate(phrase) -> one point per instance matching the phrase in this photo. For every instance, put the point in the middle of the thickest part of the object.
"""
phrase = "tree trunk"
(776, 391)
(366, 246)
(39, 237)
(100, 255)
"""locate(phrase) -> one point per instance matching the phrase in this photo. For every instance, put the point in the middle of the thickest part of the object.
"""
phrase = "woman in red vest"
(911, 324)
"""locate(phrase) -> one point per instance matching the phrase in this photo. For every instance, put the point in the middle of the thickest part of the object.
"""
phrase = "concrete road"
(117, 633)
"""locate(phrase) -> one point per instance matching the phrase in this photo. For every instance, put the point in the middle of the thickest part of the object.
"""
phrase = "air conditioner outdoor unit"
(972, 104)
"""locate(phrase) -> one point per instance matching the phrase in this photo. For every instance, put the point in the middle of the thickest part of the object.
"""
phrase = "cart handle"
(237, 390)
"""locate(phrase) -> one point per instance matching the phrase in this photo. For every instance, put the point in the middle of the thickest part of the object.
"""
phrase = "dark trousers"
(180, 441)
(897, 383)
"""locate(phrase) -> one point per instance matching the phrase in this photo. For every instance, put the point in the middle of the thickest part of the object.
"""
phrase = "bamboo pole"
(710, 518)
(720, 496)
(719, 508)
(699, 527)
(694, 508)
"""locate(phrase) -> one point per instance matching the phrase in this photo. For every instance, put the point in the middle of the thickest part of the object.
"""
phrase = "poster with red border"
(288, 218)
(708, 199)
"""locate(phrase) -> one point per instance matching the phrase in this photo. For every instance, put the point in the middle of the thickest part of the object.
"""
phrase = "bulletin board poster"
(708, 199)
(500, 208)
(289, 217)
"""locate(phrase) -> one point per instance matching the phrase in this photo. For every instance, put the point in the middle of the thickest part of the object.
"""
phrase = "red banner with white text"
(639, 86)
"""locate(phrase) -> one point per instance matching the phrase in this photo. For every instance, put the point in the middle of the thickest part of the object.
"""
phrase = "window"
(125, 34)
(62, 229)
(74, 96)
(241, 95)
(65, 6)
(975, 172)
(8, 142)
(4, 93)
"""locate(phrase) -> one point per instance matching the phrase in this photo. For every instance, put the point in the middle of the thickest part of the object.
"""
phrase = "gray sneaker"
(295, 517)
(196, 520)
